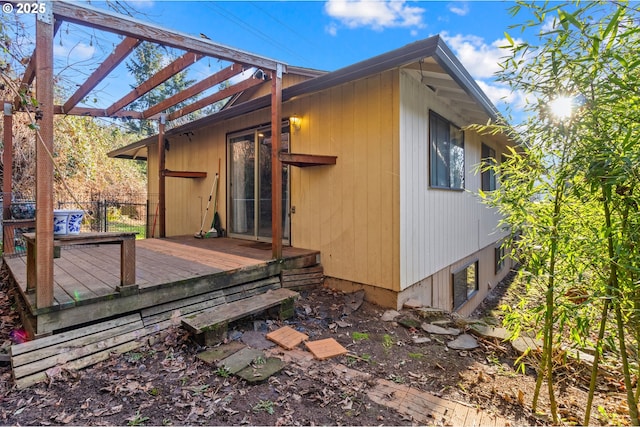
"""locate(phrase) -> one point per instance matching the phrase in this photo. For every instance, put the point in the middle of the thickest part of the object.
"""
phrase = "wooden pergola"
(41, 69)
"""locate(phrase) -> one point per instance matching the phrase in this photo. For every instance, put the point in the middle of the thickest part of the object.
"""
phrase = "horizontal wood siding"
(349, 211)
(437, 227)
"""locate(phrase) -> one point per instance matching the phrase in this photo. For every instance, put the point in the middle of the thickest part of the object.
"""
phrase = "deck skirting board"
(148, 297)
(203, 302)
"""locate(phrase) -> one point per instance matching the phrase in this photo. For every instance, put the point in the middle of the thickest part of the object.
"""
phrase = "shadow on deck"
(171, 274)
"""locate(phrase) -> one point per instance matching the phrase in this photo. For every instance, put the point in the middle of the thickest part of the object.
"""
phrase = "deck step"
(202, 302)
(302, 278)
(210, 326)
(33, 361)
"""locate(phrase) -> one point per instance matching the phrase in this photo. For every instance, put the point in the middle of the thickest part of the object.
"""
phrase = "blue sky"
(331, 34)
(325, 35)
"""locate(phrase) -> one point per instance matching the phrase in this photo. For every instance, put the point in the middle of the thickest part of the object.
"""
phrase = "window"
(488, 176)
(447, 154)
(499, 258)
(465, 284)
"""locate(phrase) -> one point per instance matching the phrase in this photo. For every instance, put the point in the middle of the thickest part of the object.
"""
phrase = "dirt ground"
(164, 383)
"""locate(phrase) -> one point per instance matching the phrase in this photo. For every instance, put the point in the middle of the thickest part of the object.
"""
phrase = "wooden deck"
(87, 278)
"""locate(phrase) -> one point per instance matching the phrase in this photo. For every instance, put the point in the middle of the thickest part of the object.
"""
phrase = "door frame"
(286, 229)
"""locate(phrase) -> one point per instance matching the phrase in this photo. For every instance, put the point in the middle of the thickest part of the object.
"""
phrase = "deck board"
(86, 277)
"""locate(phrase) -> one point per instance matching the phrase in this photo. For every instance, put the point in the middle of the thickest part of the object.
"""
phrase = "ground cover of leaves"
(164, 383)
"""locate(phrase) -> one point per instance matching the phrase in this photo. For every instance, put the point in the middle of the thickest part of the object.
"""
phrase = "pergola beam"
(117, 56)
(156, 80)
(201, 86)
(98, 112)
(112, 22)
(215, 97)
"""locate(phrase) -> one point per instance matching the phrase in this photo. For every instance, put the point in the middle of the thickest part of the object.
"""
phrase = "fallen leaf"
(521, 397)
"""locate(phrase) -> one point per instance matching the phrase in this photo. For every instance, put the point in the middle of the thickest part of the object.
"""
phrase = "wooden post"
(7, 159)
(44, 162)
(276, 165)
(161, 178)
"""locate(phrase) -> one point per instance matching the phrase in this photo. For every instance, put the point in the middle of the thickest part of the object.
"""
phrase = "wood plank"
(303, 283)
(128, 262)
(307, 160)
(215, 97)
(49, 320)
(109, 21)
(81, 271)
(109, 64)
(60, 354)
(234, 311)
(154, 81)
(71, 335)
(195, 89)
(184, 174)
(198, 254)
(296, 277)
(314, 269)
(43, 258)
(247, 289)
(276, 165)
(134, 341)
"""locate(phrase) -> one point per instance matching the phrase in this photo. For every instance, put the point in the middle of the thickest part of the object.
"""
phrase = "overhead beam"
(215, 97)
(98, 112)
(156, 80)
(120, 24)
(117, 56)
(193, 90)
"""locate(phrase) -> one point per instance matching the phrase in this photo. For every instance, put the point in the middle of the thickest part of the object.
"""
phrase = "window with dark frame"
(488, 176)
(465, 284)
(446, 154)
(499, 252)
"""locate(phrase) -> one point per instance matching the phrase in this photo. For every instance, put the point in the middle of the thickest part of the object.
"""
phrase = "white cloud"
(550, 24)
(479, 58)
(78, 52)
(332, 29)
(497, 93)
(459, 8)
(375, 14)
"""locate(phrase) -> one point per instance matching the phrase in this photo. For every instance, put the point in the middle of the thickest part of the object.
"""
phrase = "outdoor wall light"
(295, 122)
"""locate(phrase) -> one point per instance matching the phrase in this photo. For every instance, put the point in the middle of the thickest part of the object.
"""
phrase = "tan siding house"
(397, 214)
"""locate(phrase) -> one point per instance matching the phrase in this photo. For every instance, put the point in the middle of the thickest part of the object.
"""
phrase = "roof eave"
(431, 47)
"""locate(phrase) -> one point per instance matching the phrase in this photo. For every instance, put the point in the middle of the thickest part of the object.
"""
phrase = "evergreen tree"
(147, 60)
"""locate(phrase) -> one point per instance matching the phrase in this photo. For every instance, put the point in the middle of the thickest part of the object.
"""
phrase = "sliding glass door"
(250, 185)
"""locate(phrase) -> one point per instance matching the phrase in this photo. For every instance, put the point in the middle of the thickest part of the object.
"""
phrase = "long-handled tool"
(200, 234)
(216, 225)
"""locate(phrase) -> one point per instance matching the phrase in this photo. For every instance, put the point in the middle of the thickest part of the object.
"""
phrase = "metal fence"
(122, 212)
(112, 215)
